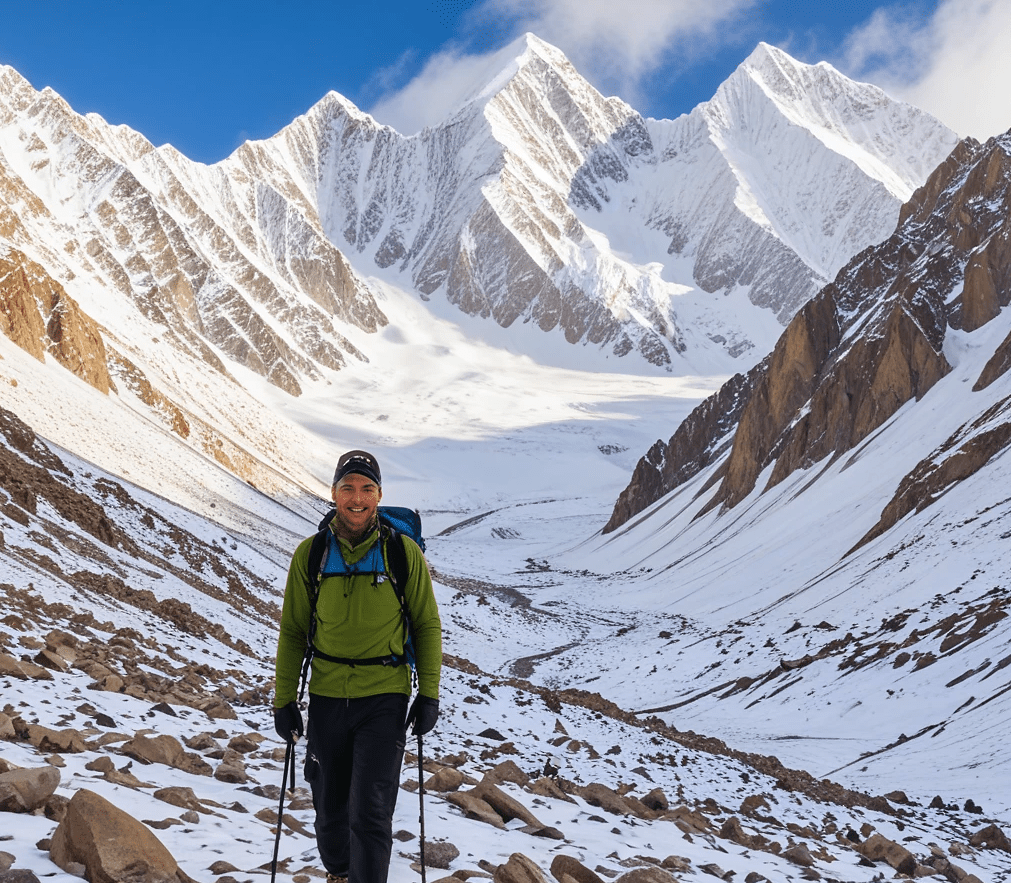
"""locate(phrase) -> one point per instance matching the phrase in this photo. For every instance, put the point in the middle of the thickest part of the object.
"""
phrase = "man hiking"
(360, 681)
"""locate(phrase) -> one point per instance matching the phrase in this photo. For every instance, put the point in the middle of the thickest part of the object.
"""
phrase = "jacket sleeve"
(294, 626)
(425, 619)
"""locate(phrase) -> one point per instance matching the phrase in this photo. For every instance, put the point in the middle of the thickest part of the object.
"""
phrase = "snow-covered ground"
(515, 466)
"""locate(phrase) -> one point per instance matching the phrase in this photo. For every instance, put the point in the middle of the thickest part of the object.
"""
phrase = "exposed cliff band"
(868, 343)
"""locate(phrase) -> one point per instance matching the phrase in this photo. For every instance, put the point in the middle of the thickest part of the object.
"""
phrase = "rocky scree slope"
(129, 710)
(869, 342)
(89, 535)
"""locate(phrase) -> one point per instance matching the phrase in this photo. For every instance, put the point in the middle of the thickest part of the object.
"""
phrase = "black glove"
(288, 720)
(423, 714)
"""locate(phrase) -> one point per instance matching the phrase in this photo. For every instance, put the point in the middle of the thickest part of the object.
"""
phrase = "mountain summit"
(538, 201)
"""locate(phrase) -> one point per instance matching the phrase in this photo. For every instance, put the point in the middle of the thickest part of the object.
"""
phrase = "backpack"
(394, 523)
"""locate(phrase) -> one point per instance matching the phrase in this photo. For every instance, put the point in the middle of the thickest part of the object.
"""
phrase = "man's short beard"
(354, 537)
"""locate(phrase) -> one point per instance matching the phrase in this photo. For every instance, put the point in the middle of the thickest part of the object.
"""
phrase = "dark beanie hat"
(360, 463)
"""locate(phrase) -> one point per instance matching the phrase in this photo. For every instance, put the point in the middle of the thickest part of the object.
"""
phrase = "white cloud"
(445, 82)
(955, 65)
(614, 44)
(618, 42)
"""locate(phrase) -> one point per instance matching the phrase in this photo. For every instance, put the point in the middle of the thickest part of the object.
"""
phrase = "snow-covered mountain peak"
(334, 105)
(527, 61)
(856, 120)
(11, 82)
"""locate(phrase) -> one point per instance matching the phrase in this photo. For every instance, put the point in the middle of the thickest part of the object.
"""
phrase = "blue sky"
(205, 76)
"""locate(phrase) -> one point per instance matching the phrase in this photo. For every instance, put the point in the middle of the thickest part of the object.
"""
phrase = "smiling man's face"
(356, 498)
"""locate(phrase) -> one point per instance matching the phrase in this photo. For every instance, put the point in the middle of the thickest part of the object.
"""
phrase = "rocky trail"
(522, 783)
(136, 739)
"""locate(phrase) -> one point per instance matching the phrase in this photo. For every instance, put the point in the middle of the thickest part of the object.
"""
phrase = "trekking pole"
(421, 800)
(288, 759)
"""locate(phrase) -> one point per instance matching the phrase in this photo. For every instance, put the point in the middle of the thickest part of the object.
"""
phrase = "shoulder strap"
(314, 569)
(396, 555)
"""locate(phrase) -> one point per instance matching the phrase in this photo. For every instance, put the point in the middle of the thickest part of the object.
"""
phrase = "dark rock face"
(868, 343)
(703, 436)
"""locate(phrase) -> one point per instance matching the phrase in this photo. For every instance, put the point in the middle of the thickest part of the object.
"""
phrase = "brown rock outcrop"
(996, 367)
(112, 845)
(519, 869)
(656, 800)
(184, 798)
(506, 771)
(733, 830)
(566, 869)
(38, 315)
(812, 403)
(507, 807)
(166, 750)
(21, 670)
(20, 315)
(475, 807)
(62, 741)
(650, 874)
(878, 848)
(702, 437)
(137, 382)
(799, 854)
(962, 455)
(447, 779)
(991, 837)
(27, 789)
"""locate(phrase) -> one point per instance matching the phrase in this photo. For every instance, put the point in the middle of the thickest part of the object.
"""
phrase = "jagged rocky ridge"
(506, 203)
(869, 342)
(509, 208)
(227, 268)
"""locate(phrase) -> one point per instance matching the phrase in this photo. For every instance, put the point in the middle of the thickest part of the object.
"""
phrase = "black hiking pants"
(353, 758)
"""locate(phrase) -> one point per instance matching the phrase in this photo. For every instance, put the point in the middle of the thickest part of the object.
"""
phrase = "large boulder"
(566, 869)
(23, 671)
(649, 874)
(878, 848)
(606, 799)
(166, 750)
(112, 845)
(26, 790)
(991, 837)
(519, 869)
(475, 808)
(447, 779)
(67, 741)
(507, 807)
(18, 875)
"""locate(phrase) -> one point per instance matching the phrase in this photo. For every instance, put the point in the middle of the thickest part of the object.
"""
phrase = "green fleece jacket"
(358, 620)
